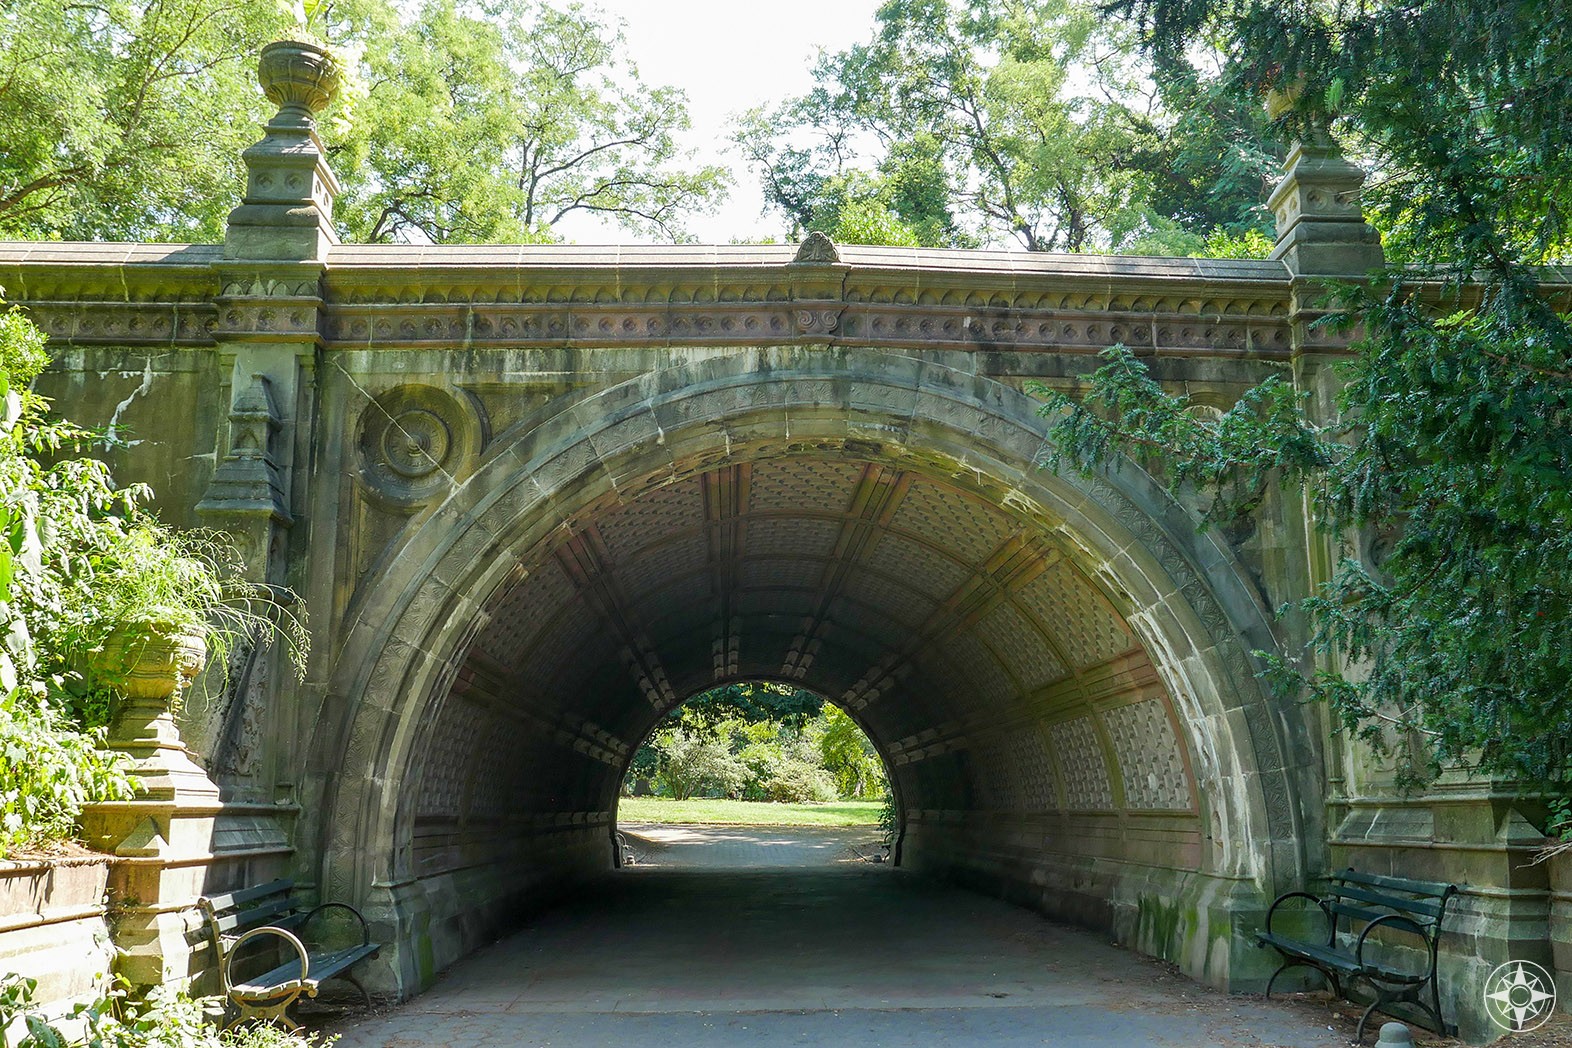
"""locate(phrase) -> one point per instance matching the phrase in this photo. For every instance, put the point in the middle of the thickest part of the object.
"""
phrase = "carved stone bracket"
(246, 496)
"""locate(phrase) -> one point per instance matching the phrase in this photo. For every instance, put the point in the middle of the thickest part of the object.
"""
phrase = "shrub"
(166, 1018)
(796, 781)
(693, 762)
(80, 558)
(48, 771)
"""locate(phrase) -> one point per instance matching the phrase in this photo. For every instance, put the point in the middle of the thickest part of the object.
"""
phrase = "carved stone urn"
(149, 663)
(153, 658)
(299, 77)
(162, 837)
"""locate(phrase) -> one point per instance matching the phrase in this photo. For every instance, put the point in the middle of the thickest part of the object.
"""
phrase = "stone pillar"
(269, 309)
(162, 838)
(1321, 231)
(275, 251)
(1476, 834)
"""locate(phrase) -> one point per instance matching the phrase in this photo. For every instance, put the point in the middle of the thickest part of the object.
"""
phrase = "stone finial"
(287, 213)
(819, 249)
(1321, 230)
(300, 78)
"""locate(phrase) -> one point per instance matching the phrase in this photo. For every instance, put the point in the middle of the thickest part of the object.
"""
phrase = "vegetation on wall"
(1450, 447)
(81, 559)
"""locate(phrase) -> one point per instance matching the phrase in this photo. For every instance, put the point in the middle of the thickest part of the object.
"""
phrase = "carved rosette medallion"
(413, 440)
(415, 443)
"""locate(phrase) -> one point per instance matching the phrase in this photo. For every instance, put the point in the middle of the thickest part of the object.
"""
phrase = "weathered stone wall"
(53, 928)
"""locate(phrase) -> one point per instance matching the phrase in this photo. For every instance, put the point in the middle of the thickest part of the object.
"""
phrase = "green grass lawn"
(747, 813)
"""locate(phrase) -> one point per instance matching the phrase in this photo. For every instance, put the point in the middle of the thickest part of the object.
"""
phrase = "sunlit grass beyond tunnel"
(747, 813)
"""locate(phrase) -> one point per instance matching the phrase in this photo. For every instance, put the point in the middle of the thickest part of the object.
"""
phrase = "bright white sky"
(728, 55)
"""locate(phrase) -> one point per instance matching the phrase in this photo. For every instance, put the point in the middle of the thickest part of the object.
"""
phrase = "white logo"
(1520, 995)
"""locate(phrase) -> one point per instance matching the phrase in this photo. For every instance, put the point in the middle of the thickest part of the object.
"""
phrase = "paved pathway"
(749, 847)
(669, 955)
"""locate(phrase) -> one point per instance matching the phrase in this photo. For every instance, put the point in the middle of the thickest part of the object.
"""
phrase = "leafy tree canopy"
(126, 120)
(463, 121)
(751, 702)
(1450, 446)
(495, 120)
(1025, 122)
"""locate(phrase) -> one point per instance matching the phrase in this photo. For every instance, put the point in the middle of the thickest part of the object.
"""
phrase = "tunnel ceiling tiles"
(941, 622)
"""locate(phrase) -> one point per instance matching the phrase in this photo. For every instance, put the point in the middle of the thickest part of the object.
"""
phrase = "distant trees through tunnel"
(760, 741)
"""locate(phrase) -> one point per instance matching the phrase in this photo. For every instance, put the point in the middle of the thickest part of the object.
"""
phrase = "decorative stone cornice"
(401, 297)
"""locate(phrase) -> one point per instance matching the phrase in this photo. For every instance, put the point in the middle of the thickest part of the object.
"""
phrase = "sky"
(728, 55)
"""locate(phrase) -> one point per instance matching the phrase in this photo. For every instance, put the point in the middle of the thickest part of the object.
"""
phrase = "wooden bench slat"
(244, 920)
(1419, 906)
(231, 900)
(1381, 880)
(1325, 954)
(322, 968)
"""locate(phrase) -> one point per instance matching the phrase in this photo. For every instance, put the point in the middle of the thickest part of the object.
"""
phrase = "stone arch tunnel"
(1054, 667)
(531, 497)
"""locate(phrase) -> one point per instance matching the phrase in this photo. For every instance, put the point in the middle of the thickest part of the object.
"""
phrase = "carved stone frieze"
(125, 324)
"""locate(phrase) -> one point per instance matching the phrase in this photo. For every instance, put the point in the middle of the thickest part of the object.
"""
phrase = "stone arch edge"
(411, 634)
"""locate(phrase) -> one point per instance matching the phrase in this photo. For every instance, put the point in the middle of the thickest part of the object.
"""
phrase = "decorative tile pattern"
(1080, 758)
(901, 558)
(523, 611)
(1148, 754)
(1029, 656)
(654, 516)
(892, 596)
(1074, 616)
(820, 485)
(448, 757)
(987, 686)
(777, 572)
(951, 520)
(790, 537)
(1017, 769)
(657, 566)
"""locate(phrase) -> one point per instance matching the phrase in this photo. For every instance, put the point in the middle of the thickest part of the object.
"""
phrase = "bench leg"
(1412, 995)
(270, 1012)
(1337, 989)
(365, 997)
(1359, 1033)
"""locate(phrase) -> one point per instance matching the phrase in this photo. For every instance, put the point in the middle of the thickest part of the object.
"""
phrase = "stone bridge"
(532, 498)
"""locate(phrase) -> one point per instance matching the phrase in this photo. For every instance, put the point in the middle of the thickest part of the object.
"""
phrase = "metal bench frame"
(237, 918)
(1369, 902)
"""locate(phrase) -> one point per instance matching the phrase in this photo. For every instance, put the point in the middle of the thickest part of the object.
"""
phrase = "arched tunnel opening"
(1065, 707)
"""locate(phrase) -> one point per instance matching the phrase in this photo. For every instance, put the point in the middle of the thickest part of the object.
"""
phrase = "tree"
(490, 120)
(750, 702)
(693, 761)
(848, 756)
(1008, 120)
(1453, 443)
(495, 120)
(126, 120)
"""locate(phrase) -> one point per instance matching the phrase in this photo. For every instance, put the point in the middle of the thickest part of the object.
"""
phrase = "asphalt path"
(776, 937)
